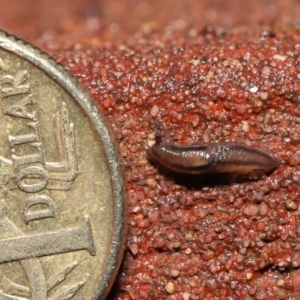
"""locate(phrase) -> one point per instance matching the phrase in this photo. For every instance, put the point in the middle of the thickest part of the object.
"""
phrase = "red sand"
(197, 72)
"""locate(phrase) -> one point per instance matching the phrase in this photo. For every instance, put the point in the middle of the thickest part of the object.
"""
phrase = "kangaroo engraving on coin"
(62, 211)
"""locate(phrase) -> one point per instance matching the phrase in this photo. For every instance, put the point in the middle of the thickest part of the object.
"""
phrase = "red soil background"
(197, 72)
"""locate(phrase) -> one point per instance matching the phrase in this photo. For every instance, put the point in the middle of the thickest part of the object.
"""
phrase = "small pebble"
(208, 238)
(195, 121)
(208, 255)
(134, 249)
(294, 159)
(154, 111)
(250, 209)
(280, 57)
(235, 63)
(291, 205)
(253, 89)
(142, 162)
(263, 209)
(150, 143)
(186, 296)
(155, 215)
(210, 74)
(202, 213)
(192, 283)
(195, 62)
(175, 273)
(188, 251)
(170, 287)
(152, 183)
(266, 71)
(233, 284)
(188, 237)
(280, 282)
(106, 103)
(263, 95)
(245, 126)
(206, 138)
(136, 209)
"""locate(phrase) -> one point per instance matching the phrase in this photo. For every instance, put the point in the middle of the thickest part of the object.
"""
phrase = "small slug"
(222, 157)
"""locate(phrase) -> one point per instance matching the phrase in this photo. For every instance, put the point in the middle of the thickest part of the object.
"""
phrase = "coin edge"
(59, 74)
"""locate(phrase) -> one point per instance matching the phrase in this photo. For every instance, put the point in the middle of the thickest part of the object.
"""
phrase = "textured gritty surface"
(156, 67)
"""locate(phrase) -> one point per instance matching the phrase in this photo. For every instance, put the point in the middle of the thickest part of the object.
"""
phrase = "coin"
(62, 210)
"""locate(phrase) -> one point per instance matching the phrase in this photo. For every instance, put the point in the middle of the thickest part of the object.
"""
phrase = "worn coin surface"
(61, 205)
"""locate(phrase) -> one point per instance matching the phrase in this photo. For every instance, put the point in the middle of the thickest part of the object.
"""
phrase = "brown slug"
(222, 157)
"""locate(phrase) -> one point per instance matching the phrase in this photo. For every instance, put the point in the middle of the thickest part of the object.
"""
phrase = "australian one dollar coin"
(61, 191)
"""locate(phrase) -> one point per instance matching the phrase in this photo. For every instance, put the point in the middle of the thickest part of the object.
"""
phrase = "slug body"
(224, 157)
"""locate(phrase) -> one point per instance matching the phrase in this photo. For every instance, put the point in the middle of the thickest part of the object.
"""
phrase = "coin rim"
(60, 75)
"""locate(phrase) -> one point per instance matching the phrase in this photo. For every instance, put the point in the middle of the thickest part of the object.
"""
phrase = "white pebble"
(253, 89)
(245, 126)
(263, 95)
(280, 57)
(195, 62)
(154, 110)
